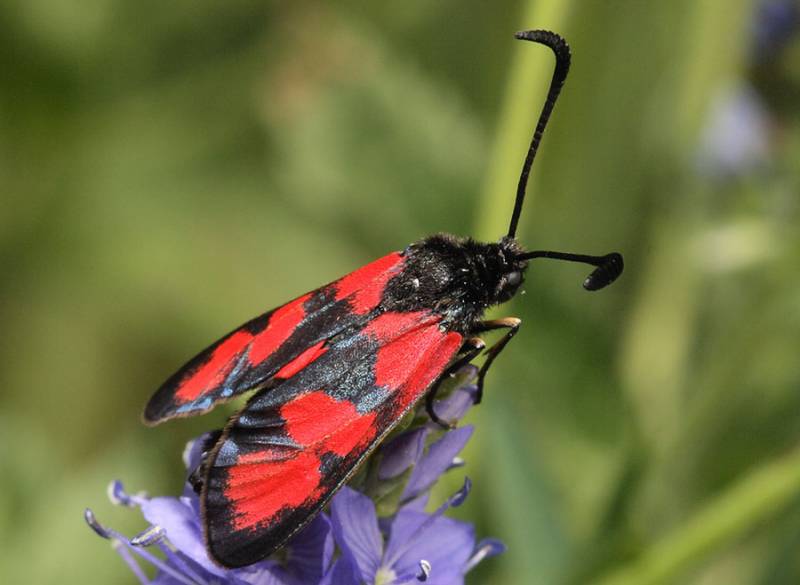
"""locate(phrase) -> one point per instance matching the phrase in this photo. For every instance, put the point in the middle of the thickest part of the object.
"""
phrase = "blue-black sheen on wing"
(276, 344)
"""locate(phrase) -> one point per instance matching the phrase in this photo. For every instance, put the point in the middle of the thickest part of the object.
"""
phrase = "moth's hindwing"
(281, 459)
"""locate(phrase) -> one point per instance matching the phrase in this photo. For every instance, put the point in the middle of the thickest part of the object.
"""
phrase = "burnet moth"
(336, 369)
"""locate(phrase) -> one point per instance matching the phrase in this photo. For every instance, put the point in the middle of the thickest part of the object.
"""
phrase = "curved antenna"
(561, 49)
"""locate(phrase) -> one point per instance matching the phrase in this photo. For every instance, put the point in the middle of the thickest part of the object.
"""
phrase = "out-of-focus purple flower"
(774, 25)
(407, 545)
(735, 139)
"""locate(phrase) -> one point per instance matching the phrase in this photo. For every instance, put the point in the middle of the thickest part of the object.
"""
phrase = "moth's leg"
(512, 325)
(469, 351)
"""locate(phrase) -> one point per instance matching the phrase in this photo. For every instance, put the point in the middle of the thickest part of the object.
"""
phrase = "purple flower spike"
(352, 546)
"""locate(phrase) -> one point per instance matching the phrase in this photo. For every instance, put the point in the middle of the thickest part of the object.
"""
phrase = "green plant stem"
(756, 498)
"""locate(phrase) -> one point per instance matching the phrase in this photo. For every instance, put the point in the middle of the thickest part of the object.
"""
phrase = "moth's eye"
(513, 278)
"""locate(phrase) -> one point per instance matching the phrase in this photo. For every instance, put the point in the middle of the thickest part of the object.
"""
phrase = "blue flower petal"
(192, 458)
(269, 574)
(456, 405)
(342, 573)
(436, 461)
(355, 528)
(309, 557)
(419, 503)
(401, 453)
(445, 543)
(193, 453)
(182, 527)
(311, 551)
(165, 579)
(192, 499)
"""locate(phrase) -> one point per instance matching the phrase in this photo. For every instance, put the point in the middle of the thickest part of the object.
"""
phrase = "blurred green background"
(169, 170)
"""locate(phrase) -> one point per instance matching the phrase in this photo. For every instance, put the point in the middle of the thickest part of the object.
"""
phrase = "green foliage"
(171, 170)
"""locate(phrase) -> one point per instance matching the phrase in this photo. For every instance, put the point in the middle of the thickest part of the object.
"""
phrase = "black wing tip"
(151, 420)
(155, 415)
(232, 549)
(151, 415)
(229, 559)
(155, 411)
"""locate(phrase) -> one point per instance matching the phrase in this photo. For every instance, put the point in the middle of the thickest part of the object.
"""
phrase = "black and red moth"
(336, 369)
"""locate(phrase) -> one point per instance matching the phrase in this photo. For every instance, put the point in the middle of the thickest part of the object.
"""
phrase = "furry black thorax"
(457, 278)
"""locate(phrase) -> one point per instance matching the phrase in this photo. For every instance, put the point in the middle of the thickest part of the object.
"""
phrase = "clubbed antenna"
(561, 49)
(607, 268)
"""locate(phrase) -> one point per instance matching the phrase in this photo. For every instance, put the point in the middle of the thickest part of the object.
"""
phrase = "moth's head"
(506, 269)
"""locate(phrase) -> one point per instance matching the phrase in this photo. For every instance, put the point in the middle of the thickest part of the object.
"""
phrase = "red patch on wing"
(213, 372)
(282, 324)
(389, 326)
(366, 285)
(301, 361)
(258, 491)
(262, 483)
(334, 425)
(414, 360)
(431, 368)
(267, 455)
